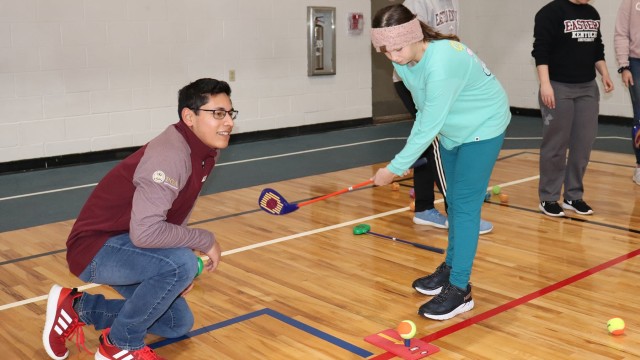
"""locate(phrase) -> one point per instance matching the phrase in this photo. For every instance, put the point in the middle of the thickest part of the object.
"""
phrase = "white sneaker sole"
(569, 207)
(459, 310)
(429, 292)
(52, 307)
(419, 221)
(482, 232)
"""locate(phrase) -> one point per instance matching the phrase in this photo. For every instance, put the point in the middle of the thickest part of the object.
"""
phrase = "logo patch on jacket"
(161, 178)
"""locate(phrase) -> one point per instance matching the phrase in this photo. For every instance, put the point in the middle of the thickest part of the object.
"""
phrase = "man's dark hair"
(196, 94)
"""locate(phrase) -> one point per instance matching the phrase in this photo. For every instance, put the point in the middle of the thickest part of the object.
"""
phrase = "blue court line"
(276, 315)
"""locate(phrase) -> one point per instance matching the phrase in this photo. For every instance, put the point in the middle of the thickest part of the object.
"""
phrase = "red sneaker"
(61, 322)
(107, 351)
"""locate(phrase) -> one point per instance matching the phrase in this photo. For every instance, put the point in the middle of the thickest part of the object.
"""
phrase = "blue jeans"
(468, 169)
(634, 65)
(150, 281)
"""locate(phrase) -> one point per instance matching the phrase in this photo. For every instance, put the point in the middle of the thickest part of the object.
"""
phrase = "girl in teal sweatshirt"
(459, 99)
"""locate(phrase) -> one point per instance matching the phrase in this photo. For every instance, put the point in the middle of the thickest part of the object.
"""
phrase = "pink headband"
(396, 37)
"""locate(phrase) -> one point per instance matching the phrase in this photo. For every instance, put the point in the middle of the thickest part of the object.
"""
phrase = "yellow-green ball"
(406, 329)
(496, 189)
(615, 326)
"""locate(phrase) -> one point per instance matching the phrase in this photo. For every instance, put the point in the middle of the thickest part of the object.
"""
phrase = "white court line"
(275, 241)
(279, 156)
(47, 192)
(221, 164)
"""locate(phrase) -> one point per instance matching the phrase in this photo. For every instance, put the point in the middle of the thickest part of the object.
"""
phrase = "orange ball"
(504, 198)
(412, 206)
(406, 329)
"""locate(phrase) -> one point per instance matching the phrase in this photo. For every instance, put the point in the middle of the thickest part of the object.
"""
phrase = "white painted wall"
(88, 75)
(501, 32)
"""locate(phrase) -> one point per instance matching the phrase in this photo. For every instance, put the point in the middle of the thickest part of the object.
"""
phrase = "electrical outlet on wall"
(232, 75)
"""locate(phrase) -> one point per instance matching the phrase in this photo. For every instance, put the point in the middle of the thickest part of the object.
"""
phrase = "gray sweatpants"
(572, 126)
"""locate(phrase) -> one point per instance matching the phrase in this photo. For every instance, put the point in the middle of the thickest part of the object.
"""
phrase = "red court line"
(510, 305)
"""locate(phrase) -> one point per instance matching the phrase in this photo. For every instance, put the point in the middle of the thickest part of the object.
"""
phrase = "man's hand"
(214, 258)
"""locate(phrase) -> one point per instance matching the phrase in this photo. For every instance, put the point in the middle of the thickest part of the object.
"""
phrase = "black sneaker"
(432, 284)
(579, 206)
(450, 302)
(551, 208)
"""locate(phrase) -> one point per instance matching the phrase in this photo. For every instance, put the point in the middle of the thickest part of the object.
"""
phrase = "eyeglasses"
(219, 114)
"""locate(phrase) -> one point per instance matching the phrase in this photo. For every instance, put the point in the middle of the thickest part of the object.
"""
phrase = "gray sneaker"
(434, 218)
(485, 227)
(431, 217)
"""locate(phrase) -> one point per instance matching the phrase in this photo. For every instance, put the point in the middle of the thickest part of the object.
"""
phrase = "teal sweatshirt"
(457, 98)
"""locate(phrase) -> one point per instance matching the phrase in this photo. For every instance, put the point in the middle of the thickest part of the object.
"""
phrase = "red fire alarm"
(356, 23)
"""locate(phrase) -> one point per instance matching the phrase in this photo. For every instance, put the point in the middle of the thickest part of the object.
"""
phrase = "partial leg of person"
(468, 169)
(438, 171)
(441, 182)
(556, 130)
(119, 263)
(423, 179)
(151, 280)
(423, 176)
(175, 322)
(583, 133)
(634, 91)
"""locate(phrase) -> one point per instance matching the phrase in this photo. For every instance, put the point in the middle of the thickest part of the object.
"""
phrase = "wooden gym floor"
(303, 286)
